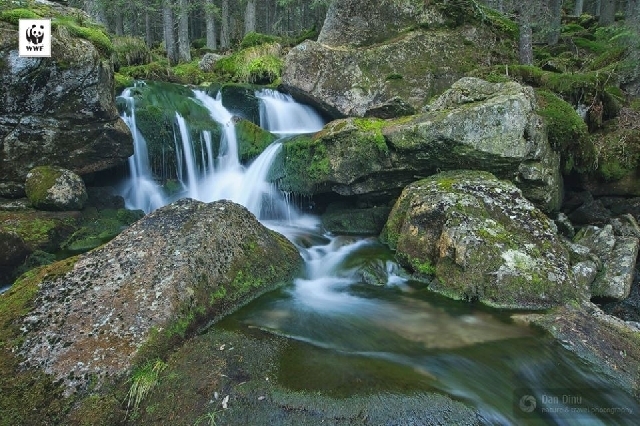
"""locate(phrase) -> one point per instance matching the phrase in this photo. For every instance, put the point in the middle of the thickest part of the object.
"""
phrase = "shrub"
(130, 51)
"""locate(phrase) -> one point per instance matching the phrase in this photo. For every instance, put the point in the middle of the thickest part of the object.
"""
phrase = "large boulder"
(178, 268)
(55, 188)
(473, 125)
(388, 58)
(481, 240)
(57, 111)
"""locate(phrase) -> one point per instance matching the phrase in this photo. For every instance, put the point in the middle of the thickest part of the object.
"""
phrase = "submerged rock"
(55, 188)
(474, 125)
(176, 269)
(481, 240)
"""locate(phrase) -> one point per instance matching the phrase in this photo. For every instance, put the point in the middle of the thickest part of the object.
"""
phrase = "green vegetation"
(128, 51)
(13, 16)
(256, 39)
(143, 380)
(252, 139)
(567, 131)
(96, 34)
(307, 164)
(260, 64)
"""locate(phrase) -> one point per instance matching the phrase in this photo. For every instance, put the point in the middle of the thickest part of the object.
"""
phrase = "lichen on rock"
(480, 239)
(170, 273)
(55, 188)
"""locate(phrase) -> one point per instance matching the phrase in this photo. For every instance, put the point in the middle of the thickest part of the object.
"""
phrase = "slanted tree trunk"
(210, 20)
(225, 41)
(184, 47)
(555, 7)
(169, 32)
(250, 17)
(607, 12)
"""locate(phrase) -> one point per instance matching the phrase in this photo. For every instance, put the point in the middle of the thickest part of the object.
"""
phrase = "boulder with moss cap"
(55, 188)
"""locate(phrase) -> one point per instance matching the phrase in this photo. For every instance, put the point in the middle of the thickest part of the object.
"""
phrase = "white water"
(280, 114)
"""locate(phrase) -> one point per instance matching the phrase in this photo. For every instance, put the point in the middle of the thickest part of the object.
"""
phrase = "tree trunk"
(148, 31)
(577, 8)
(210, 19)
(250, 17)
(169, 34)
(555, 7)
(95, 10)
(525, 43)
(119, 29)
(184, 48)
(607, 12)
(225, 41)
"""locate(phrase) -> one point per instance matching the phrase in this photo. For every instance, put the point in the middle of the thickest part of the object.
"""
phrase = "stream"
(353, 336)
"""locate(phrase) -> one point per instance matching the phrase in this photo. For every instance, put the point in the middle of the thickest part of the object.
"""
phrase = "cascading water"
(414, 340)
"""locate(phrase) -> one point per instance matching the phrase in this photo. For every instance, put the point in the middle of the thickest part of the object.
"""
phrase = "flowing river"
(355, 337)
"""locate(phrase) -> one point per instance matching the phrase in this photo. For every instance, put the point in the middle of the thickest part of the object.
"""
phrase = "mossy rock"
(479, 239)
(252, 139)
(55, 188)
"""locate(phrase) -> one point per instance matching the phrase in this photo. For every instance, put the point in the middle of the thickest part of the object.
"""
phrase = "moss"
(374, 126)
(567, 131)
(260, 64)
(37, 187)
(255, 39)
(27, 396)
(93, 33)
(121, 82)
(129, 51)
(424, 267)
(13, 16)
(306, 164)
(252, 139)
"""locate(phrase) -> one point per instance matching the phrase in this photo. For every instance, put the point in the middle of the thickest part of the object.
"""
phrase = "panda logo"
(35, 35)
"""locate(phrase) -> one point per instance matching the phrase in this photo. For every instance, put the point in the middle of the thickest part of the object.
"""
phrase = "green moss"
(394, 76)
(252, 139)
(567, 131)
(424, 267)
(13, 16)
(374, 126)
(305, 164)
(260, 64)
(37, 187)
(130, 51)
(93, 33)
(255, 39)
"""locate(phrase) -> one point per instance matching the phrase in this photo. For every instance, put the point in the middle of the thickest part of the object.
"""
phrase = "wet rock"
(352, 221)
(104, 198)
(176, 269)
(55, 188)
(610, 344)
(13, 251)
(482, 240)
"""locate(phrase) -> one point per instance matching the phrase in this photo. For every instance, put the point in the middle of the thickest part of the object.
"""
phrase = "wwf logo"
(34, 38)
(35, 34)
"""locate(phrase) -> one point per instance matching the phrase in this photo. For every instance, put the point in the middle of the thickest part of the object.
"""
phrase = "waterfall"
(223, 177)
(281, 114)
(140, 191)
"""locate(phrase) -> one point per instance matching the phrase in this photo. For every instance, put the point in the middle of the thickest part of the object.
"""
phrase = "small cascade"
(207, 179)
(281, 114)
(140, 191)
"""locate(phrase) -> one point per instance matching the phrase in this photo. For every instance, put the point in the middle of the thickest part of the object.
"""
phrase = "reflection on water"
(349, 337)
